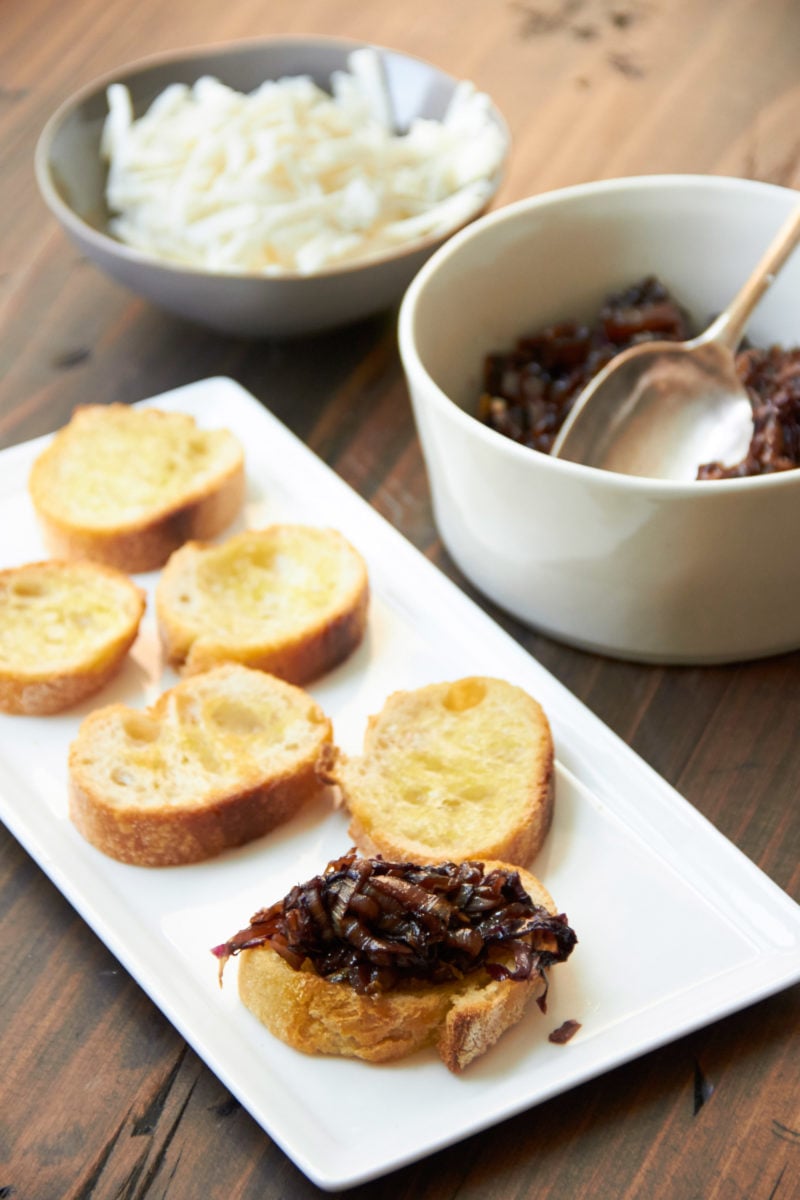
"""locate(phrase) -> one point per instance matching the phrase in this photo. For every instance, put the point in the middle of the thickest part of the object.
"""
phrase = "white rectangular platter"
(632, 864)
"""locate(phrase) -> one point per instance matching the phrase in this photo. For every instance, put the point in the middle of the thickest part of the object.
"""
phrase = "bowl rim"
(710, 489)
(106, 242)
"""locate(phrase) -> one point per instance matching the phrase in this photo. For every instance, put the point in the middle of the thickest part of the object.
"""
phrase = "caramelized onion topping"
(564, 1033)
(772, 379)
(529, 390)
(374, 925)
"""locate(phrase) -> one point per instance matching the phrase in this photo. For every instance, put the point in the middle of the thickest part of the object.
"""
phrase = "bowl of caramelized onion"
(273, 186)
(500, 331)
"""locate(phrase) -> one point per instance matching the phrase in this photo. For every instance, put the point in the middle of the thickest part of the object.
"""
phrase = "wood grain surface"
(100, 1097)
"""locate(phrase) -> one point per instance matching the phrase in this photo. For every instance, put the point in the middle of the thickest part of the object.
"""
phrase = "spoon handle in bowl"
(729, 326)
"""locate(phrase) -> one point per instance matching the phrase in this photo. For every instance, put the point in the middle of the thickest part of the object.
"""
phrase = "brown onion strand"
(376, 925)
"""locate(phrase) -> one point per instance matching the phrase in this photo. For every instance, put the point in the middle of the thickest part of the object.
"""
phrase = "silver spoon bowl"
(661, 409)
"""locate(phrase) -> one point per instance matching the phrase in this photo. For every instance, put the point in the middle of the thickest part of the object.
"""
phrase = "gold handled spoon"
(660, 409)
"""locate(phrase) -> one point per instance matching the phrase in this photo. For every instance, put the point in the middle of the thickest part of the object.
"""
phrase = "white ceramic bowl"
(696, 572)
(72, 177)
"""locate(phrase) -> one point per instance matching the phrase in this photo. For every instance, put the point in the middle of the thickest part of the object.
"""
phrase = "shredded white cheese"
(290, 179)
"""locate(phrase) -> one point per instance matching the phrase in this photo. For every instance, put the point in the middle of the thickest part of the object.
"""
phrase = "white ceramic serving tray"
(676, 926)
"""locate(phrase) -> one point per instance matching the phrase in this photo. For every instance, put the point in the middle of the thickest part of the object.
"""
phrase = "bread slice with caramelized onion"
(452, 771)
(126, 486)
(65, 628)
(288, 599)
(462, 1017)
(218, 760)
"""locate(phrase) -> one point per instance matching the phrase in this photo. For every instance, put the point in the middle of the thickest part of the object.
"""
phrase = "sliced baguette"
(461, 1019)
(65, 628)
(218, 760)
(127, 486)
(289, 599)
(452, 771)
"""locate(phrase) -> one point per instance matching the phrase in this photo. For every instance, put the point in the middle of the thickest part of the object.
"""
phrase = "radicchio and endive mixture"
(376, 925)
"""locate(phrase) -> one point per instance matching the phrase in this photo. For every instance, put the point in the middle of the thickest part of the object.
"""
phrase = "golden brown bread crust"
(217, 761)
(143, 543)
(147, 546)
(167, 838)
(43, 686)
(45, 697)
(318, 1017)
(461, 1020)
(307, 657)
(456, 770)
(299, 650)
(519, 846)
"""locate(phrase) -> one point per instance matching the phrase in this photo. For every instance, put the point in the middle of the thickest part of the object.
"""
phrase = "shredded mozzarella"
(290, 179)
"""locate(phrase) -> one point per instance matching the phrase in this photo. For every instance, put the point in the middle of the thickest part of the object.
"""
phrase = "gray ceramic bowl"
(72, 176)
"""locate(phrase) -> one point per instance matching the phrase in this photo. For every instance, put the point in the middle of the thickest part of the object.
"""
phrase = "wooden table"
(100, 1097)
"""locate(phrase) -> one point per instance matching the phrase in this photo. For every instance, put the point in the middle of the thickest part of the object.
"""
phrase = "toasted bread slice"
(452, 771)
(462, 1018)
(65, 628)
(127, 486)
(289, 599)
(218, 760)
